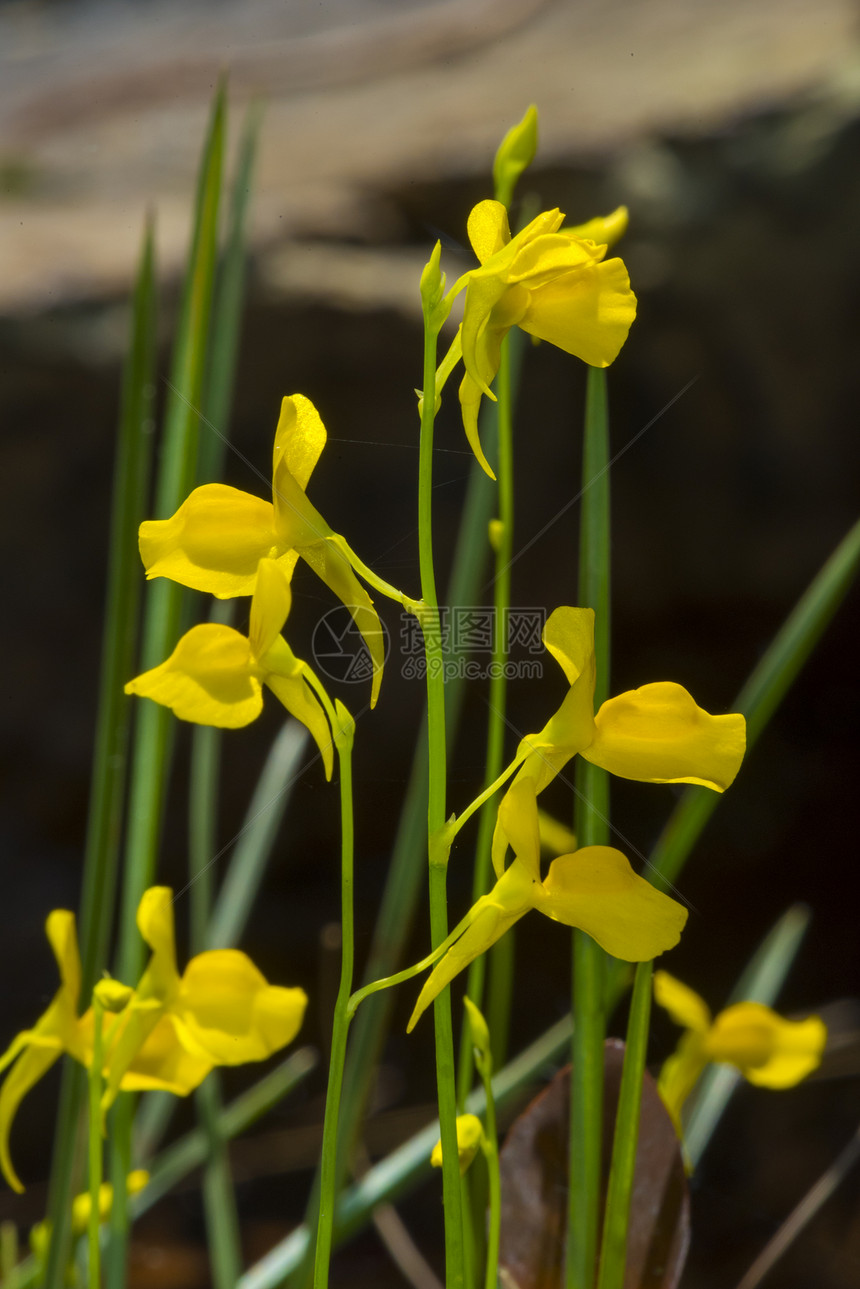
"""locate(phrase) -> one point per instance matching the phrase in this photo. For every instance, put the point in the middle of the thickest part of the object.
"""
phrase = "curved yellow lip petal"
(213, 543)
(596, 890)
(658, 734)
(211, 678)
(768, 1050)
(682, 1003)
(300, 437)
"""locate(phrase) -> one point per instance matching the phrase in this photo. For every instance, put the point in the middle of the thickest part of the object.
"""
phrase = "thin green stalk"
(501, 956)
(438, 845)
(405, 1167)
(163, 607)
(219, 1199)
(94, 1078)
(613, 1253)
(404, 881)
(344, 731)
(104, 821)
(592, 828)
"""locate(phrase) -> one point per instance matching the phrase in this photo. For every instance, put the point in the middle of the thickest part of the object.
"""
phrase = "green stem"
(343, 731)
(438, 844)
(219, 1199)
(613, 1253)
(491, 1154)
(94, 1077)
(591, 827)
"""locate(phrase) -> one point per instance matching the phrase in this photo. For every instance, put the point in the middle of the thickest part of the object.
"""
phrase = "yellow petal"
(518, 815)
(555, 836)
(489, 919)
(680, 1074)
(548, 258)
(213, 543)
(604, 229)
(596, 889)
(769, 1051)
(297, 521)
(331, 565)
(302, 703)
(299, 438)
(659, 735)
(682, 1003)
(587, 312)
(270, 606)
(470, 1134)
(227, 1013)
(568, 634)
(155, 924)
(470, 406)
(162, 1064)
(209, 679)
(31, 1065)
(488, 229)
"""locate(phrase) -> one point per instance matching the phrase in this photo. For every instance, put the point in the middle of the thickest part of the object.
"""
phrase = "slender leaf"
(101, 857)
(613, 1254)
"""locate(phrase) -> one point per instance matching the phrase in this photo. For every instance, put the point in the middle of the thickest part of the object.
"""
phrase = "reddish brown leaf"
(534, 1188)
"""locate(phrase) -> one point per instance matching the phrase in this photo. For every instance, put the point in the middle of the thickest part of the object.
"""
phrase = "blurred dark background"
(744, 193)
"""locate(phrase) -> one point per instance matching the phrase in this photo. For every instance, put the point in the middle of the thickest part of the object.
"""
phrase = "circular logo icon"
(339, 649)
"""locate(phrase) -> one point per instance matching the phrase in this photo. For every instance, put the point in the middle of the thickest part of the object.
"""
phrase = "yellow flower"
(769, 1051)
(215, 675)
(219, 535)
(594, 889)
(470, 1136)
(221, 1011)
(553, 282)
(32, 1052)
(173, 1029)
(656, 734)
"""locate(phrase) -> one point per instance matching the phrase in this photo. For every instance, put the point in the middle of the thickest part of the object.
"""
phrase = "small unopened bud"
(516, 152)
(470, 1134)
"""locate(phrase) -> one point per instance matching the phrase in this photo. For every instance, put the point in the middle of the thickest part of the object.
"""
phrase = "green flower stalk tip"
(434, 303)
(172, 1030)
(479, 1029)
(516, 153)
(769, 1051)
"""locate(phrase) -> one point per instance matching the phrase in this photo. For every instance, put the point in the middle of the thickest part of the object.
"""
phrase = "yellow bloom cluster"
(231, 543)
(553, 282)
(656, 734)
(172, 1030)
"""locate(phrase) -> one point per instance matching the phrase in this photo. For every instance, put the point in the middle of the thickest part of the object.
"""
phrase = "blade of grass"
(591, 825)
(227, 313)
(760, 982)
(402, 1170)
(613, 1252)
(101, 855)
(176, 475)
(763, 692)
